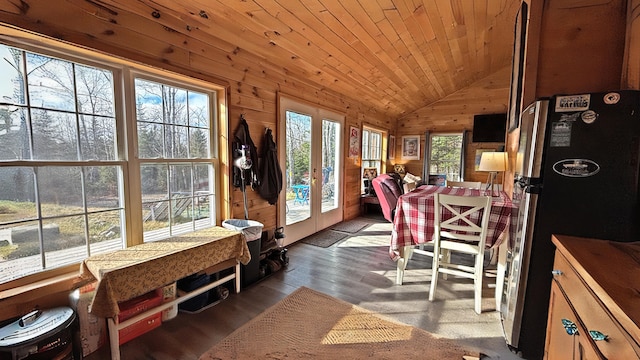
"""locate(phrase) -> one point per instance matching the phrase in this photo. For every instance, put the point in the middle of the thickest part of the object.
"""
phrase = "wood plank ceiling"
(396, 56)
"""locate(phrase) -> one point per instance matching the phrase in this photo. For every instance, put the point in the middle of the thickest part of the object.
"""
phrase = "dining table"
(134, 271)
(413, 223)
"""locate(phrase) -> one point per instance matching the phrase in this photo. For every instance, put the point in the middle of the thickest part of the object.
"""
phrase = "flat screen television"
(489, 128)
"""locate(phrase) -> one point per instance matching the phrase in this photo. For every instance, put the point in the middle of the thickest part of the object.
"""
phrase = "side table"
(366, 200)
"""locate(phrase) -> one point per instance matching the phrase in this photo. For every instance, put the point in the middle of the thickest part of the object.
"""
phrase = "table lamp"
(400, 170)
(493, 162)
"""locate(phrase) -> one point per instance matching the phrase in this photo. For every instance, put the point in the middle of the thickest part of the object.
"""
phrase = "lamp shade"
(519, 163)
(493, 161)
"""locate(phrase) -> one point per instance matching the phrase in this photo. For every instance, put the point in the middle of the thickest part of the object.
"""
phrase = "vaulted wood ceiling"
(396, 56)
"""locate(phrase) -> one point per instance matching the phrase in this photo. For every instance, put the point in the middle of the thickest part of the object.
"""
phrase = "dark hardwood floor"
(357, 270)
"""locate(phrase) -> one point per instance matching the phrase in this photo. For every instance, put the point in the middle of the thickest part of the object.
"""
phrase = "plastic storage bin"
(191, 283)
(252, 231)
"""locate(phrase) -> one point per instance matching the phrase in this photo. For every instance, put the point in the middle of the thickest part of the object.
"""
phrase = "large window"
(65, 173)
(445, 155)
(174, 147)
(371, 152)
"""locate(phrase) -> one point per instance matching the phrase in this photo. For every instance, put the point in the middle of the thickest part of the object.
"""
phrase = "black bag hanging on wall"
(270, 172)
(242, 137)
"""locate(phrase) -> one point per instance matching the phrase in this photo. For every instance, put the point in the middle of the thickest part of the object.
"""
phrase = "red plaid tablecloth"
(413, 221)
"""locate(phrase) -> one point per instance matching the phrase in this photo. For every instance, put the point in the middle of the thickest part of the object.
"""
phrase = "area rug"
(311, 325)
(324, 238)
(351, 226)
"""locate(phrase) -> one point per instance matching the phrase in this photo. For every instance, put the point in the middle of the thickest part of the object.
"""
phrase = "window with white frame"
(64, 169)
(176, 174)
(371, 152)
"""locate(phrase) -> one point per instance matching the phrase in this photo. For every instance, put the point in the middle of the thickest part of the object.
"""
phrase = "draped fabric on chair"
(425, 164)
(388, 191)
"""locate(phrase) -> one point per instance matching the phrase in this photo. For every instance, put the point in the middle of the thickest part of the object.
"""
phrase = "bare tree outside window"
(62, 169)
(53, 112)
(173, 126)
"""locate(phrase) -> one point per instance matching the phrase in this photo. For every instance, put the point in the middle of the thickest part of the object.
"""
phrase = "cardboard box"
(93, 330)
(140, 304)
(141, 327)
(169, 292)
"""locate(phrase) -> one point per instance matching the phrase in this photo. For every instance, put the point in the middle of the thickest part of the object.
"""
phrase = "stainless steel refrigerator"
(576, 174)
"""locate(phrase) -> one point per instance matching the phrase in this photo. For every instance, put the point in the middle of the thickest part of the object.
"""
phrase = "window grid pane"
(67, 203)
(56, 211)
(371, 153)
(173, 124)
(445, 155)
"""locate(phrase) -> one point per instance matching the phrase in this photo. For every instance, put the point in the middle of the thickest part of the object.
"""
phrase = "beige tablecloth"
(134, 271)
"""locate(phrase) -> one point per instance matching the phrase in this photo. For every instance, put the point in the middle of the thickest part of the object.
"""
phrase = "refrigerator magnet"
(589, 116)
(576, 167)
(571, 103)
(611, 98)
(560, 134)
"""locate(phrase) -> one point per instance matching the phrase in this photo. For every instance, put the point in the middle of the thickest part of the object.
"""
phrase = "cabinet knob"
(570, 327)
(598, 336)
(556, 272)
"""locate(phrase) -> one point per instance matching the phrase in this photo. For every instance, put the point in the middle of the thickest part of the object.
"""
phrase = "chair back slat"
(462, 216)
(465, 184)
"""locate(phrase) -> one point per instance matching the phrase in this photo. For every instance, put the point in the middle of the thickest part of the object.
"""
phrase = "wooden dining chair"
(460, 224)
(465, 184)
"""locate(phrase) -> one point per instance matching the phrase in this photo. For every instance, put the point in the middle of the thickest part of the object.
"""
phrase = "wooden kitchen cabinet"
(594, 308)
(563, 344)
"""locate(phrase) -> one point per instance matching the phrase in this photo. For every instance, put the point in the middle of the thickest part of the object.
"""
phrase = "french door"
(311, 199)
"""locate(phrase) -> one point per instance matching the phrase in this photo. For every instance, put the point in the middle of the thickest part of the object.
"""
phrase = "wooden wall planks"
(128, 30)
(455, 113)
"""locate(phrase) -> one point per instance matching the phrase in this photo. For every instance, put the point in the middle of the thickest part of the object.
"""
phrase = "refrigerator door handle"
(534, 189)
(531, 185)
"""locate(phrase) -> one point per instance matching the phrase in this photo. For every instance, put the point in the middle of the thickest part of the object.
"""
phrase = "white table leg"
(237, 278)
(401, 265)
(114, 339)
(501, 272)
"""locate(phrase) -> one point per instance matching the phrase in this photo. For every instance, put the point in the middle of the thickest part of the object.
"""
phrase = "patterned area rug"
(351, 226)
(311, 325)
(324, 238)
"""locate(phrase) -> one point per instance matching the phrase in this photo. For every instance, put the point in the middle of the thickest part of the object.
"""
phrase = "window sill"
(38, 289)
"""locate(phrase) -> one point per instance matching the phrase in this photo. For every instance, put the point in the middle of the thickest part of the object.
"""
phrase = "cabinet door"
(566, 337)
(559, 343)
(585, 350)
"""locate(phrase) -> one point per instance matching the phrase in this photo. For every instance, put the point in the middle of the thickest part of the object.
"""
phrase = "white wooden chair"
(465, 184)
(479, 186)
(459, 230)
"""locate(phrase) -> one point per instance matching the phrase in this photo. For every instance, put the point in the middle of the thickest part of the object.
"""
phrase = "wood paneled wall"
(251, 82)
(167, 42)
(581, 46)
(454, 113)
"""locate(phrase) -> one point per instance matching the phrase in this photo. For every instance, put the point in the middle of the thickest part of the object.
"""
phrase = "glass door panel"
(298, 162)
(311, 200)
(330, 149)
